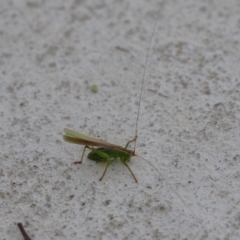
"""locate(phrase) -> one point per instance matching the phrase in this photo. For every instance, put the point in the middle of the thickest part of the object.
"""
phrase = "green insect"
(101, 151)
(106, 152)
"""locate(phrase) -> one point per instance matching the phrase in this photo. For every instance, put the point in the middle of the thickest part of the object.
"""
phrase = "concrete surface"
(52, 52)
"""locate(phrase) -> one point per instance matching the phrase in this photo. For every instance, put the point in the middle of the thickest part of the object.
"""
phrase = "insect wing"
(84, 142)
(86, 139)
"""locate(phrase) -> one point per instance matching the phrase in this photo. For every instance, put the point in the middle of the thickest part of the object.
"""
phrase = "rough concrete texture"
(52, 52)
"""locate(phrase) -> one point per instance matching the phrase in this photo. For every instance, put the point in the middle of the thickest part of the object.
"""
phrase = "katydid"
(102, 151)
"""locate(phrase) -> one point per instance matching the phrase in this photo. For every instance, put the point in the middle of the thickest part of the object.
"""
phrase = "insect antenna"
(175, 192)
(143, 78)
(136, 129)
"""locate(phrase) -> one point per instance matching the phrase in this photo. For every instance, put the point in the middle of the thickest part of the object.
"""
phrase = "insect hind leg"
(133, 140)
(79, 162)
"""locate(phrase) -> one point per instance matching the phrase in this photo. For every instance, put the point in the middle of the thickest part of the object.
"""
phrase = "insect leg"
(104, 172)
(79, 162)
(129, 170)
(130, 142)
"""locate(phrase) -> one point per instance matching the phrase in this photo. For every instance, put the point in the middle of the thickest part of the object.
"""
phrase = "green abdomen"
(108, 155)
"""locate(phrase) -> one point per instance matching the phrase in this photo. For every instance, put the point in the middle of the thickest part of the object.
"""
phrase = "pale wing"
(80, 136)
(83, 142)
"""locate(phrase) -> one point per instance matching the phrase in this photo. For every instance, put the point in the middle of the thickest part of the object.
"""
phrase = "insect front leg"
(124, 162)
(130, 141)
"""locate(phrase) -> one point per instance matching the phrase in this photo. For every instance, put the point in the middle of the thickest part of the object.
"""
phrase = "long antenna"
(144, 73)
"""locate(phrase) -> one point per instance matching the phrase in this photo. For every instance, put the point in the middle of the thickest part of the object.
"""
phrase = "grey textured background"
(53, 51)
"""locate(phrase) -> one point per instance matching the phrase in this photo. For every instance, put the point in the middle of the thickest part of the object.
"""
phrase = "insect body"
(101, 151)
